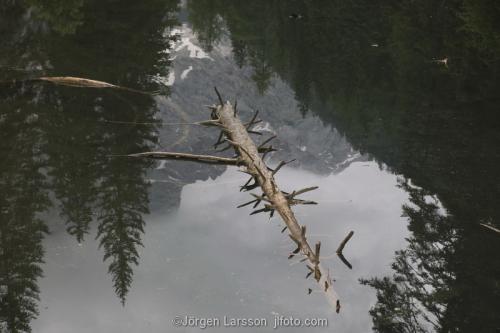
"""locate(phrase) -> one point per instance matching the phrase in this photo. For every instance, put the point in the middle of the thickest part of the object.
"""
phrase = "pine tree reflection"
(24, 196)
(55, 144)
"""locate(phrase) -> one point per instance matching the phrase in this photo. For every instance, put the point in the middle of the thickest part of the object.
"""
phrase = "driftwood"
(236, 135)
(79, 82)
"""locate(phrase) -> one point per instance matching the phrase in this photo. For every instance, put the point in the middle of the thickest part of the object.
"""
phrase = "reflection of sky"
(211, 259)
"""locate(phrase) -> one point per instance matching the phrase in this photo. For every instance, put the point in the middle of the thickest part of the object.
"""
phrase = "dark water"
(390, 107)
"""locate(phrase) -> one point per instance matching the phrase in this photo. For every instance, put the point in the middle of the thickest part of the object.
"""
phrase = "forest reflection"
(56, 145)
(415, 85)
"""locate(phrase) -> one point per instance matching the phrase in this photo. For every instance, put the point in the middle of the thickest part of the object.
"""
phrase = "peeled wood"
(275, 200)
(249, 156)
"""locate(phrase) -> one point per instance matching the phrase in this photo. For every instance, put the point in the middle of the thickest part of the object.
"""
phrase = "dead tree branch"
(209, 159)
(248, 157)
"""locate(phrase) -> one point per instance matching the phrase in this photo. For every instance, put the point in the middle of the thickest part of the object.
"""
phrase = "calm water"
(390, 108)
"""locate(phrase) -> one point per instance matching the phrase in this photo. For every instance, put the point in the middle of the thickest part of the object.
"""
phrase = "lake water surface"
(391, 109)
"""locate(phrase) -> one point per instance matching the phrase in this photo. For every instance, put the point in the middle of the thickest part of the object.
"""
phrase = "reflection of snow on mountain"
(186, 72)
(186, 42)
(264, 127)
(316, 146)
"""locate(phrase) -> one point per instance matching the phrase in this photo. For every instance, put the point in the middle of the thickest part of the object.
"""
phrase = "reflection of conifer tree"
(75, 138)
(72, 140)
(416, 297)
(122, 202)
(239, 51)
(123, 192)
(262, 76)
(85, 177)
(439, 283)
(206, 22)
(23, 197)
(373, 68)
(64, 16)
(76, 141)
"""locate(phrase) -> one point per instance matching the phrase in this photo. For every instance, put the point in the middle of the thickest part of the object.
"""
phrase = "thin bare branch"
(490, 227)
(219, 96)
(280, 165)
(209, 159)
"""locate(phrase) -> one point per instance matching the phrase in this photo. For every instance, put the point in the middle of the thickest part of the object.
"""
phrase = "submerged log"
(237, 136)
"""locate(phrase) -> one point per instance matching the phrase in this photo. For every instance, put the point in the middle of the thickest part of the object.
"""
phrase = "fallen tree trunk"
(237, 135)
(248, 157)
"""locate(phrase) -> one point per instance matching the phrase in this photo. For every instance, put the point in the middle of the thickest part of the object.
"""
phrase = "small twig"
(282, 164)
(344, 242)
(248, 182)
(266, 141)
(262, 210)
(219, 96)
(265, 150)
(304, 190)
(252, 120)
(316, 252)
(293, 202)
(247, 203)
(219, 139)
(249, 188)
(270, 150)
(247, 125)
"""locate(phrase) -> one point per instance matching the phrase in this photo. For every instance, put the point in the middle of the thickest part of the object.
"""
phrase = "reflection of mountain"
(194, 72)
(372, 70)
